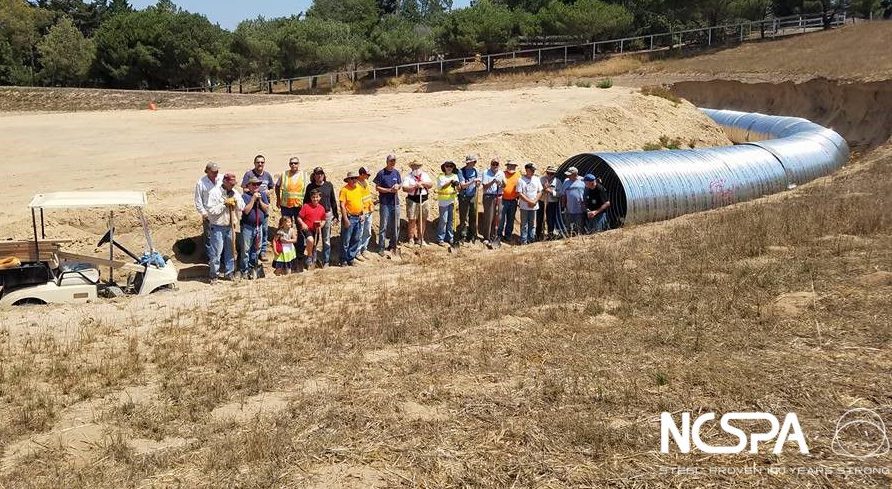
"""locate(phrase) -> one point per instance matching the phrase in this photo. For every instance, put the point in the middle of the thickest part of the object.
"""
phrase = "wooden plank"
(102, 262)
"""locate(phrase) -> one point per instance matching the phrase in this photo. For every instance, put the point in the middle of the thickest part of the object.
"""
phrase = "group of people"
(309, 206)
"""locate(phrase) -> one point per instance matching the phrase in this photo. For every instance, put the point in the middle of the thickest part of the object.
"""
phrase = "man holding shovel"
(417, 184)
(223, 208)
(387, 183)
(493, 181)
(254, 214)
(469, 181)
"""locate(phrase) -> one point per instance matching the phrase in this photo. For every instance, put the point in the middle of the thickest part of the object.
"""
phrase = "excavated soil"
(860, 111)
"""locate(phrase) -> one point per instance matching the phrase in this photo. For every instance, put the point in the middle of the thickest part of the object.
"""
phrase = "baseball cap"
(318, 170)
(229, 176)
(253, 180)
(550, 169)
(211, 166)
(511, 163)
(529, 166)
(363, 171)
(471, 158)
(391, 157)
(414, 163)
(589, 178)
(572, 171)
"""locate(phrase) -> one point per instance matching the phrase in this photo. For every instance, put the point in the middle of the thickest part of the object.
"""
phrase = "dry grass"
(858, 52)
(551, 374)
(662, 92)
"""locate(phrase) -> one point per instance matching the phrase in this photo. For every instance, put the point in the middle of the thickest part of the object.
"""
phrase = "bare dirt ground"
(538, 366)
(31, 99)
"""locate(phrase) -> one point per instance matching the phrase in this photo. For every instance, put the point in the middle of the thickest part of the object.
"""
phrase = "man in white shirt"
(203, 186)
(492, 182)
(224, 209)
(529, 190)
(417, 184)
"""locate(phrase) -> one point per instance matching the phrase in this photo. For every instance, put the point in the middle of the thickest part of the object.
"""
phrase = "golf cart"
(40, 272)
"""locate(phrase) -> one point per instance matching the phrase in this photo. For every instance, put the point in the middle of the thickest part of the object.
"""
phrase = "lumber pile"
(25, 250)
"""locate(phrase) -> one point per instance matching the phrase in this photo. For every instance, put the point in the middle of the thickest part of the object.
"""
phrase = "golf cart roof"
(78, 200)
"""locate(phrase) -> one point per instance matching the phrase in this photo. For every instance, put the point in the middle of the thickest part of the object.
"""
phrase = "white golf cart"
(40, 272)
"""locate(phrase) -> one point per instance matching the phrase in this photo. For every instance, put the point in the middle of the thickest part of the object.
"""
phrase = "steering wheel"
(105, 239)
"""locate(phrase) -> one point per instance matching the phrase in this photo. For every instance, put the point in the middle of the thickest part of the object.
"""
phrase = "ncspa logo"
(779, 432)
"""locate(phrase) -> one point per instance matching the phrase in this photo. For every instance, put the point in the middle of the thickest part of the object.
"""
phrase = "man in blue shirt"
(267, 185)
(387, 183)
(469, 181)
(572, 201)
(254, 216)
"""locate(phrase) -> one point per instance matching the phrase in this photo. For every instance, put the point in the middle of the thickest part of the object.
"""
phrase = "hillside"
(538, 366)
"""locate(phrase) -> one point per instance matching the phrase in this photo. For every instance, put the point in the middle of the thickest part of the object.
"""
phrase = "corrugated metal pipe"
(771, 154)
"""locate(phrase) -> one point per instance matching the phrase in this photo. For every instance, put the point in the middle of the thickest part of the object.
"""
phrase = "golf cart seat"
(77, 274)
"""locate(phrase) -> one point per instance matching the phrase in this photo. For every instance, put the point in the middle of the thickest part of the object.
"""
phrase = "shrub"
(605, 83)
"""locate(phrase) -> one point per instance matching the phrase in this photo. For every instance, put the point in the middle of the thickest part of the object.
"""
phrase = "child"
(310, 220)
(286, 237)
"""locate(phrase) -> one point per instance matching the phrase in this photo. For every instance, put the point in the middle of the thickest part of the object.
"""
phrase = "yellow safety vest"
(450, 192)
(291, 190)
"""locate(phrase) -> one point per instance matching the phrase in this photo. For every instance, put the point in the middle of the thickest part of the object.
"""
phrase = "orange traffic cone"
(152, 106)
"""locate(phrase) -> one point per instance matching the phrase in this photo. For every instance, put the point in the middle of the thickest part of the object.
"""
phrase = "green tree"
(254, 49)
(65, 54)
(315, 45)
(484, 27)
(397, 40)
(587, 20)
(362, 15)
(866, 8)
(159, 47)
(20, 28)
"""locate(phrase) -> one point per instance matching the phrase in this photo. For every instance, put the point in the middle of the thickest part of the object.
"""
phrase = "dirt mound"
(861, 112)
(32, 99)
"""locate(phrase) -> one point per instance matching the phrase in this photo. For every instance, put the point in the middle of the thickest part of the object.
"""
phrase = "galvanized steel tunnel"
(771, 154)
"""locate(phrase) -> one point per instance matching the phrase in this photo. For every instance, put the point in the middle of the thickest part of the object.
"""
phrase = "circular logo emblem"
(860, 433)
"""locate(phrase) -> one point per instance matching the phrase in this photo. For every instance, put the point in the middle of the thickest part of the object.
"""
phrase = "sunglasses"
(293, 162)
(259, 162)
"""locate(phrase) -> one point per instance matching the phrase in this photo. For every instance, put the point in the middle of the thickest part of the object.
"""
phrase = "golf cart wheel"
(111, 292)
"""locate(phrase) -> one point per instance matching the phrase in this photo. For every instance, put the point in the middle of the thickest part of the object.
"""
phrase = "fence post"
(621, 46)
(488, 63)
(441, 66)
(539, 59)
(397, 68)
(741, 32)
(374, 74)
(709, 36)
(565, 54)
(651, 42)
(680, 42)
(290, 85)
